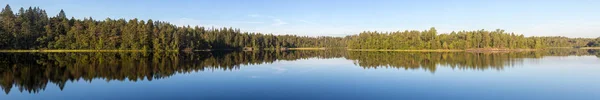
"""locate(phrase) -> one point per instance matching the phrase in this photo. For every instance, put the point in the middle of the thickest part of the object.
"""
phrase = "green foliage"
(559, 41)
(32, 29)
(429, 39)
(594, 43)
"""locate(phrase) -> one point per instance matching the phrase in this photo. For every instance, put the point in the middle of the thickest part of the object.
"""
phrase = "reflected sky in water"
(542, 76)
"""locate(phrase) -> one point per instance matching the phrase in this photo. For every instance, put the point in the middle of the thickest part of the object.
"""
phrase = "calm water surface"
(327, 75)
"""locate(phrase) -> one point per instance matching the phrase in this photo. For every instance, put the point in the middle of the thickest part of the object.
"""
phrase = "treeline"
(430, 39)
(31, 28)
(594, 43)
(461, 40)
(560, 41)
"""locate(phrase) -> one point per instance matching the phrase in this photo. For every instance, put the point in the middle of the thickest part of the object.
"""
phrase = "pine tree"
(9, 24)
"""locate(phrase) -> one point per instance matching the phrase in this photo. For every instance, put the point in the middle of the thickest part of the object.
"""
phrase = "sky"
(571, 18)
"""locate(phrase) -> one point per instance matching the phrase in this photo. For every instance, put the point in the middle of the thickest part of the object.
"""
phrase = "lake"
(561, 74)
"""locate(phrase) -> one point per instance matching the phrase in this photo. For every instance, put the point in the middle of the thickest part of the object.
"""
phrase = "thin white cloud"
(194, 22)
(254, 15)
(278, 22)
(210, 23)
(308, 22)
(270, 16)
(248, 22)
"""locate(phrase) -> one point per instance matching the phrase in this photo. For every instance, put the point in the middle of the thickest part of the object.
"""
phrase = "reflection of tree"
(577, 52)
(461, 60)
(594, 52)
(568, 52)
(31, 72)
(430, 61)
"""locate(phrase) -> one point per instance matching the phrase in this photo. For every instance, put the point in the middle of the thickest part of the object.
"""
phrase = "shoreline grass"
(74, 50)
(589, 48)
(573, 47)
(58, 50)
(560, 47)
(423, 50)
(307, 48)
(284, 49)
(440, 50)
(450, 50)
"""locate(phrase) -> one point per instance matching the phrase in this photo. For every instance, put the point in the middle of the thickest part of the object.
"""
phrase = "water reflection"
(460, 60)
(31, 72)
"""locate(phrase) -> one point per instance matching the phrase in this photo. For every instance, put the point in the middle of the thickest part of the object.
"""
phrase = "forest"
(430, 39)
(461, 40)
(559, 41)
(33, 29)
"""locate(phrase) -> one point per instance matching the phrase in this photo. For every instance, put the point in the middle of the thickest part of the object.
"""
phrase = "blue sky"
(572, 18)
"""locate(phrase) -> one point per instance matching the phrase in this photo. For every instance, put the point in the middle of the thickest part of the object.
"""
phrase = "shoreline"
(307, 48)
(451, 50)
(58, 50)
(589, 48)
(406, 50)
(422, 50)
(573, 48)
(16, 51)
